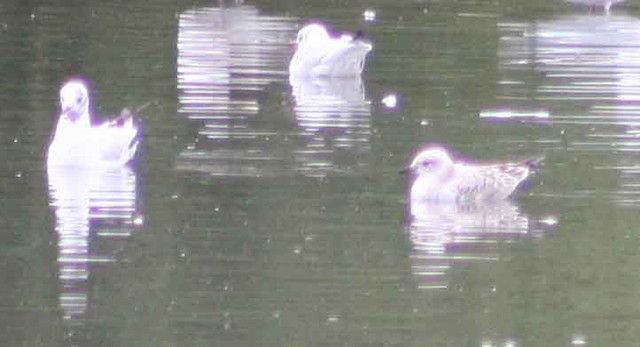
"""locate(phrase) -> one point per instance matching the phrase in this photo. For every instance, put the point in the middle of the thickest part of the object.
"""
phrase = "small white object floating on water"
(441, 179)
(78, 143)
(390, 101)
(369, 15)
(320, 55)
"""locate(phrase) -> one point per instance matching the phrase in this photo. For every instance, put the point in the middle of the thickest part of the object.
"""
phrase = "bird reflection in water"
(227, 57)
(334, 117)
(593, 4)
(583, 71)
(445, 234)
(94, 209)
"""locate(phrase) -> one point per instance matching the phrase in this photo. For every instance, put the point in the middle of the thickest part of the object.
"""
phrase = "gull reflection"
(580, 73)
(94, 209)
(333, 116)
(227, 58)
(590, 61)
(605, 4)
(443, 235)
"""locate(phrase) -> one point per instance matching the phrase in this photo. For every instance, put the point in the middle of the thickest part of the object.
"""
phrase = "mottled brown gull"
(439, 178)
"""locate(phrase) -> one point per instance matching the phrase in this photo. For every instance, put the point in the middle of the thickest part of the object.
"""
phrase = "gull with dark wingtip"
(78, 143)
(318, 54)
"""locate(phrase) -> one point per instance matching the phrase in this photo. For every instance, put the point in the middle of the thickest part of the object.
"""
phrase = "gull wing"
(116, 144)
(489, 182)
(345, 57)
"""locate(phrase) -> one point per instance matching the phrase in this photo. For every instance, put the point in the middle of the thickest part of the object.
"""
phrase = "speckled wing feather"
(492, 182)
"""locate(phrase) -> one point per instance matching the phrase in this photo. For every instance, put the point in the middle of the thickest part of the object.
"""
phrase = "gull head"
(74, 100)
(311, 33)
(431, 161)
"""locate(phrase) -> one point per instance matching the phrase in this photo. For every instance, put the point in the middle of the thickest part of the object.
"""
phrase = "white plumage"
(319, 54)
(78, 143)
(440, 179)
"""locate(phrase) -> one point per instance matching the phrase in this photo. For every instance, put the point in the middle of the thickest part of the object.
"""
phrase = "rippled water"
(264, 210)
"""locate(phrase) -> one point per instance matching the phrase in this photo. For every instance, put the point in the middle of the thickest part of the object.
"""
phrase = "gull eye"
(78, 100)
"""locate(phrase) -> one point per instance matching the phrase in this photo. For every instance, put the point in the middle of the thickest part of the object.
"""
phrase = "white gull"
(441, 179)
(319, 54)
(78, 143)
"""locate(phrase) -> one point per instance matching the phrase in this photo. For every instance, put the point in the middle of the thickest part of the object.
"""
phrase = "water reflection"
(333, 115)
(592, 59)
(232, 72)
(226, 59)
(443, 235)
(580, 73)
(95, 212)
(605, 4)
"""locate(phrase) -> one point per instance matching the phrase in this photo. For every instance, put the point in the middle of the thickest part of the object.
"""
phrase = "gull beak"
(70, 113)
(66, 112)
(405, 170)
(65, 106)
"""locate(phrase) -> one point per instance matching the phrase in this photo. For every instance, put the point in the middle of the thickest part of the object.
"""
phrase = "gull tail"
(128, 120)
(533, 162)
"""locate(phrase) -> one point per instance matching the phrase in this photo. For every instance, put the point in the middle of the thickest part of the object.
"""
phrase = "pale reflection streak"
(333, 115)
(587, 64)
(593, 61)
(227, 59)
(90, 206)
(443, 235)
